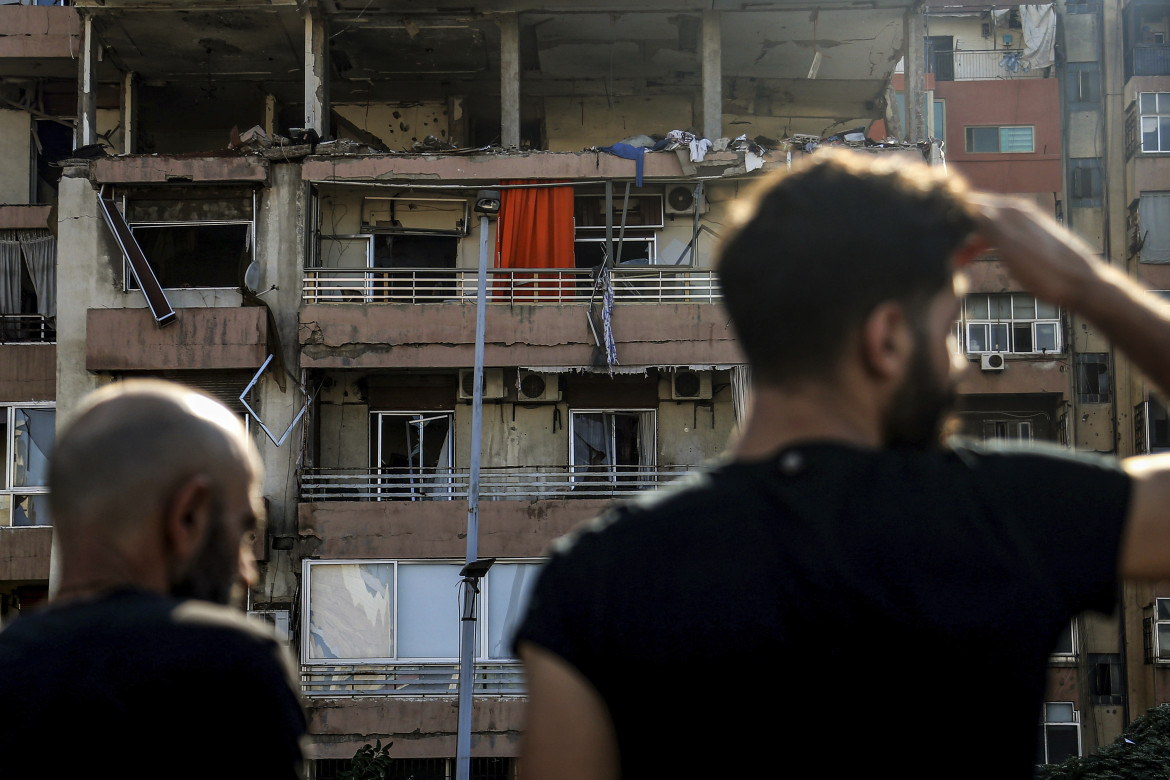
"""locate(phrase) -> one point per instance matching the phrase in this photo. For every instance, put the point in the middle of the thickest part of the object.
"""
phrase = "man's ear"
(887, 341)
(187, 518)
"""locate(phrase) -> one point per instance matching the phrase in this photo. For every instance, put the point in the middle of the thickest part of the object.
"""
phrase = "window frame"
(130, 285)
(573, 465)
(483, 623)
(429, 492)
(1156, 644)
(968, 138)
(1163, 144)
(1045, 723)
(1009, 326)
(8, 490)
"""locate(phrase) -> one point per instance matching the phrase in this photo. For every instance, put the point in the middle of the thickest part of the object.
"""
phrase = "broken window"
(1105, 683)
(1093, 383)
(406, 610)
(193, 240)
(27, 433)
(615, 448)
(413, 455)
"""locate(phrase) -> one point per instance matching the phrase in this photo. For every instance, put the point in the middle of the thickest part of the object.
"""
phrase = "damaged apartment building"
(287, 204)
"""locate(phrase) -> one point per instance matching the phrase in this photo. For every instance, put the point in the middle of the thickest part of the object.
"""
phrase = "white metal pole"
(468, 614)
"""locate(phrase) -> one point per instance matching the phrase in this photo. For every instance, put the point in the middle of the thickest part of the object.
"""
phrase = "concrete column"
(129, 112)
(711, 54)
(509, 80)
(914, 60)
(86, 130)
(316, 75)
(270, 115)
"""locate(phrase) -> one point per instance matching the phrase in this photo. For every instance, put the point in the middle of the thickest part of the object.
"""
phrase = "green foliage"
(370, 762)
(1142, 752)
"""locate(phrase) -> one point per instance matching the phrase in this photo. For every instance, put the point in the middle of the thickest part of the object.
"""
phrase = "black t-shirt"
(133, 684)
(848, 608)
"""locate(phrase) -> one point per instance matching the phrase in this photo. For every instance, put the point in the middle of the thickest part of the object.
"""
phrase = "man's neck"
(814, 411)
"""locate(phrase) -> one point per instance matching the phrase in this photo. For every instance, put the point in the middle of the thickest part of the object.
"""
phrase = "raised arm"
(569, 734)
(1057, 266)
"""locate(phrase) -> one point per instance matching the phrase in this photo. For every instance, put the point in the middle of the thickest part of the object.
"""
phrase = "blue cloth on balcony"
(635, 153)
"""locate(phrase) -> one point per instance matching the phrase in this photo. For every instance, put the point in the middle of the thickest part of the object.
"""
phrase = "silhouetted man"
(844, 593)
(137, 668)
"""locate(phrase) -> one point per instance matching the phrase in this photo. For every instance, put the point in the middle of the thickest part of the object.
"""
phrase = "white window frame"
(999, 139)
(128, 284)
(428, 490)
(1022, 429)
(577, 477)
(9, 491)
(1074, 643)
(1008, 325)
(1154, 120)
(1046, 723)
(483, 624)
(1161, 654)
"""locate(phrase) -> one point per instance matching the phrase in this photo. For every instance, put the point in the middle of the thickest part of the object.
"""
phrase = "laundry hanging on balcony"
(1039, 23)
(535, 231)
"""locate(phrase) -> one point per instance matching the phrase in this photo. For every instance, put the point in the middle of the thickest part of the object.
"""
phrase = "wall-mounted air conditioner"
(992, 361)
(535, 387)
(689, 385)
(493, 383)
(680, 199)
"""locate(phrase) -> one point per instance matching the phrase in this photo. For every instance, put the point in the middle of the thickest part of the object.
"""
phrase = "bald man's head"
(136, 448)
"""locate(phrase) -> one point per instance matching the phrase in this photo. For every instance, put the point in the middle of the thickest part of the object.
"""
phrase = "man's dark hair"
(825, 243)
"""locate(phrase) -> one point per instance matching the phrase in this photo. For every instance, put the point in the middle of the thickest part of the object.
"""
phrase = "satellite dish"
(252, 277)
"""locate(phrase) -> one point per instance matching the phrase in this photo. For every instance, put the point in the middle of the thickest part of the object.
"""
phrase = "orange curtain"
(536, 231)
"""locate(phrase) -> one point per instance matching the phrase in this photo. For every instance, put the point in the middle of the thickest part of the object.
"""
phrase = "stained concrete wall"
(28, 372)
(576, 123)
(16, 141)
(399, 127)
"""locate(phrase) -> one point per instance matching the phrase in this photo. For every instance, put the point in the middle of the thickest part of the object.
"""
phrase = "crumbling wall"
(575, 123)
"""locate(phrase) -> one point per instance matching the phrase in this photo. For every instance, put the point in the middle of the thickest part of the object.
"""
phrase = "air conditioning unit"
(992, 361)
(688, 385)
(493, 383)
(535, 387)
(680, 199)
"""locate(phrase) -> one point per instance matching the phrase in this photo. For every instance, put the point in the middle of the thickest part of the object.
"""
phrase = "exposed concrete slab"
(210, 338)
(338, 727)
(160, 169)
(24, 553)
(15, 217)
(436, 529)
(442, 335)
(575, 166)
(28, 372)
(38, 32)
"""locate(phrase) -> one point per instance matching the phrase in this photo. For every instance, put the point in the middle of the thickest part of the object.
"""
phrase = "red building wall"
(1034, 102)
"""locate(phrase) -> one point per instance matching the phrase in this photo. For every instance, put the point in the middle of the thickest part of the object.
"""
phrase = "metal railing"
(412, 679)
(1149, 59)
(26, 328)
(645, 284)
(515, 483)
(992, 64)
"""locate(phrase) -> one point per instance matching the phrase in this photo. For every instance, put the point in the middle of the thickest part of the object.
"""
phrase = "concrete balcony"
(436, 529)
(201, 338)
(24, 554)
(28, 372)
(442, 335)
(39, 41)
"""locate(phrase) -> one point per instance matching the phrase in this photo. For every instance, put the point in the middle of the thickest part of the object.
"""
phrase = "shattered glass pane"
(350, 610)
(30, 510)
(33, 434)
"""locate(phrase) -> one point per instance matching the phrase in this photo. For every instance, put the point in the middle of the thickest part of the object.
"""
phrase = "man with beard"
(845, 590)
(138, 664)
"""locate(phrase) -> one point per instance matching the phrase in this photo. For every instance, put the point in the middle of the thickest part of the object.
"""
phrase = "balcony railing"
(417, 679)
(1149, 59)
(26, 328)
(495, 484)
(992, 64)
(644, 284)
